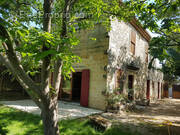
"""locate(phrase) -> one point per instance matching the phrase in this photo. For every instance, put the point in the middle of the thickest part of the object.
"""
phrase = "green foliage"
(162, 18)
(2, 130)
(25, 28)
(115, 97)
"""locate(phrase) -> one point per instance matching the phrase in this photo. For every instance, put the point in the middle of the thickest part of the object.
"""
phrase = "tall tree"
(162, 17)
(38, 38)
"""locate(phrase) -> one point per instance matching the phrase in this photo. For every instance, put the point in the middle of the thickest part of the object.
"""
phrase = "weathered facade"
(115, 60)
(128, 52)
(95, 59)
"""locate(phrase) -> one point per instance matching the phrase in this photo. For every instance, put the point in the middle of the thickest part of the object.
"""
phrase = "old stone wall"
(155, 77)
(119, 54)
(110, 53)
(94, 57)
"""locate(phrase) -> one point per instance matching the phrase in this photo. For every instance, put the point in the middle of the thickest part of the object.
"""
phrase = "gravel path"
(67, 110)
(156, 119)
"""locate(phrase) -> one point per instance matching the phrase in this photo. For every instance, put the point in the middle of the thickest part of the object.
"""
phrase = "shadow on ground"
(160, 118)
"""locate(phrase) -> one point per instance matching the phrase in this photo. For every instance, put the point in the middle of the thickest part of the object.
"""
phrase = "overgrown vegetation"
(118, 101)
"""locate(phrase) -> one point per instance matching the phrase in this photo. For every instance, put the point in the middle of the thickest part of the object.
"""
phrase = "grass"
(15, 122)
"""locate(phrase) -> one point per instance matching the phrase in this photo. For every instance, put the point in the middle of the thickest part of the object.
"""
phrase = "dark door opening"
(76, 86)
(130, 87)
(148, 89)
(158, 90)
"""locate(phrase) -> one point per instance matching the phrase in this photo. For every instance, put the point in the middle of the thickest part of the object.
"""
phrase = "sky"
(152, 34)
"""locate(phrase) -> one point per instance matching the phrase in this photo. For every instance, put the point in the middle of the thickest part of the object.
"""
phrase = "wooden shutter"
(85, 88)
(133, 37)
(133, 42)
(133, 48)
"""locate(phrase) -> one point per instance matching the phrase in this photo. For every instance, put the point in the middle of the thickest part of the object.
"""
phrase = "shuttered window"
(133, 42)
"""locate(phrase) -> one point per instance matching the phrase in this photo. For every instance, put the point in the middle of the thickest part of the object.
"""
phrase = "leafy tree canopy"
(24, 21)
(163, 18)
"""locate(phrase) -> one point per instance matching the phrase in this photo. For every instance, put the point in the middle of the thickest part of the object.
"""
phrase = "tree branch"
(171, 38)
(150, 66)
(23, 79)
(58, 64)
(45, 69)
(11, 62)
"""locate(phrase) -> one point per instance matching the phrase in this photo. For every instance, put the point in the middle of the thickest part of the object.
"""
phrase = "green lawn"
(15, 122)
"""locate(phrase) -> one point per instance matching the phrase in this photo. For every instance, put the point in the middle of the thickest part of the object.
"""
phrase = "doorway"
(148, 90)
(130, 87)
(158, 90)
(76, 89)
(76, 86)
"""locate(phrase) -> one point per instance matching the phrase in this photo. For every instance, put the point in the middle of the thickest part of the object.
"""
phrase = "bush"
(2, 130)
(116, 100)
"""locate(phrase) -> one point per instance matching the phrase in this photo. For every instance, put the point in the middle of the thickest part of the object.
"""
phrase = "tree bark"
(50, 117)
(49, 110)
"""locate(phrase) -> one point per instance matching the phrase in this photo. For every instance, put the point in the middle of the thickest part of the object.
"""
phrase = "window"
(147, 55)
(119, 80)
(130, 81)
(133, 42)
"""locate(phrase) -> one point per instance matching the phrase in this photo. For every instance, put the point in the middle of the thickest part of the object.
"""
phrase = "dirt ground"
(160, 118)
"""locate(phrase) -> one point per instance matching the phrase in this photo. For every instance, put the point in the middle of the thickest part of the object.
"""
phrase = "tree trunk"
(50, 106)
(50, 118)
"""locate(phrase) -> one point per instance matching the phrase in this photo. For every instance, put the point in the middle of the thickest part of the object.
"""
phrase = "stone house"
(117, 59)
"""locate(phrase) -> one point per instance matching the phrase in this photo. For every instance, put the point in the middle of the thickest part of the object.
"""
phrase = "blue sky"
(152, 34)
